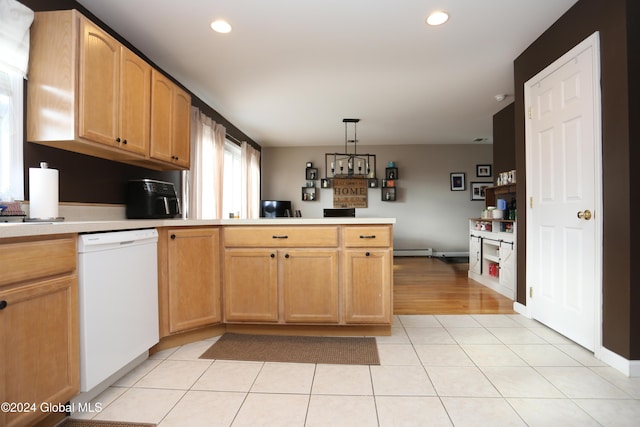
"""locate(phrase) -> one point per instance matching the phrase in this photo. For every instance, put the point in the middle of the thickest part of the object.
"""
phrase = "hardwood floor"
(425, 285)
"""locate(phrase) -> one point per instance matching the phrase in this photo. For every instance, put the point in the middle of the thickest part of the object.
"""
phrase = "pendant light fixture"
(350, 165)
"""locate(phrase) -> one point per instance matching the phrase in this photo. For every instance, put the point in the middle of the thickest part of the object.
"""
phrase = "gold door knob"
(586, 214)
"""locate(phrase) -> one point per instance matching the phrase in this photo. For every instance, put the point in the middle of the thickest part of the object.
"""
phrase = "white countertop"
(21, 229)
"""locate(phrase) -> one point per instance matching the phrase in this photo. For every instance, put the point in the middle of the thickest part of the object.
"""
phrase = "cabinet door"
(368, 285)
(475, 254)
(99, 83)
(194, 278)
(161, 123)
(181, 131)
(310, 285)
(135, 103)
(251, 285)
(507, 277)
(39, 351)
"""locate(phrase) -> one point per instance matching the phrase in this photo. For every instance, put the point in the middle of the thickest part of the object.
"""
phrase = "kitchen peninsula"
(294, 271)
(329, 276)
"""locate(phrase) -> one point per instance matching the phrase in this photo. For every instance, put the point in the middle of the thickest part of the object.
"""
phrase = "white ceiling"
(291, 70)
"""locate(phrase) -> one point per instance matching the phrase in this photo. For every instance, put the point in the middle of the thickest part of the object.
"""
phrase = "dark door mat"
(295, 349)
(72, 422)
(454, 259)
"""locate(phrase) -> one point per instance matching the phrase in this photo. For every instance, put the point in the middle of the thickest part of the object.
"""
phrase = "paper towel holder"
(43, 165)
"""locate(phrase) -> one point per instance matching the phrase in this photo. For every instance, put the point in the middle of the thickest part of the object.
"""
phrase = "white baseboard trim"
(630, 368)
(413, 252)
(521, 309)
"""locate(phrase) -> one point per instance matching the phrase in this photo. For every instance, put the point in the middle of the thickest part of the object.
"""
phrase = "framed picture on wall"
(477, 190)
(457, 181)
(483, 170)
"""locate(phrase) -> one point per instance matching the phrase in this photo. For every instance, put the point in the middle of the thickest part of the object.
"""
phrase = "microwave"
(152, 199)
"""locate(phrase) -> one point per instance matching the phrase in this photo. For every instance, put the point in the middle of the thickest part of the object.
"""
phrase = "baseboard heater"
(413, 252)
(449, 254)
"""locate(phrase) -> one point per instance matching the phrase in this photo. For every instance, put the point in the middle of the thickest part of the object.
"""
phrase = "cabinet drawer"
(274, 237)
(367, 236)
(24, 259)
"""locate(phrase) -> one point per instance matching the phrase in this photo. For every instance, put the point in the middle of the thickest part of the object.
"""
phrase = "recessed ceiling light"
(437, 18)
(221, 26)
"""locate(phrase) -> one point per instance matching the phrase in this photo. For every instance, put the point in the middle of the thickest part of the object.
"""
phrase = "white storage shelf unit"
(492, 254)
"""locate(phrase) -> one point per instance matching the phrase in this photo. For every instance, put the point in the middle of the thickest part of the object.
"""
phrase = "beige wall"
(428, 214)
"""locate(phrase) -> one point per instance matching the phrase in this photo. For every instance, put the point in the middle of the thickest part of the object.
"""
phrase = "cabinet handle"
(372, 236)
(3, 305)
(118, 139)
(280, 237)
(367, 254)
(286, 256)
(124, 142)
(272, 255)
(173, 237)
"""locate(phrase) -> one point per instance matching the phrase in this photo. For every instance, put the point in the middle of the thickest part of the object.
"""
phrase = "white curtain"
(15, 20)
(11, 140)
(203, 183)
(250, 181)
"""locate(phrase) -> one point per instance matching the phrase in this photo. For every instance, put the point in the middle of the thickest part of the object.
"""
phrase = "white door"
(564, 194)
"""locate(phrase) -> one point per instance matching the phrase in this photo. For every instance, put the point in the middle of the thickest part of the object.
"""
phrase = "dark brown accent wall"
(504, 147)
(87, 179)
(91, 180)
(633, 55)
(619, 49)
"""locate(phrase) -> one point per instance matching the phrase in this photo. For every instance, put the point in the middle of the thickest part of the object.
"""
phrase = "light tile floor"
(467, 370)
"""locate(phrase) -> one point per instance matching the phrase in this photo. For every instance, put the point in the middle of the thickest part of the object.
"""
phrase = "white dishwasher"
(118, 296)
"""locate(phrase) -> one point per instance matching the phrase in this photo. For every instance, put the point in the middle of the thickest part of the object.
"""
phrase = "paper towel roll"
(43, 192)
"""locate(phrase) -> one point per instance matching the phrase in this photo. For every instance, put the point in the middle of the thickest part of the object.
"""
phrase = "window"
(11, 112)
(232, 181)
(224, 177)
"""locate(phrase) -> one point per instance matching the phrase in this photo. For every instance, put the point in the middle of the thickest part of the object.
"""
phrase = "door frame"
(593, 41)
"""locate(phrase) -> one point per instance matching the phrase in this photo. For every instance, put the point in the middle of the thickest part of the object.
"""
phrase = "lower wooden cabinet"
(251, 285)
(39, 330)
(189, 278)
(367, 285)
(281, 285)
(309, 285)
(271, 277)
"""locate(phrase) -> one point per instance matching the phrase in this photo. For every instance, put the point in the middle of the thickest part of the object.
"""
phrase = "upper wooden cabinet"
(114, 107)
(135, 97)
(170, 125)
(89, 94)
